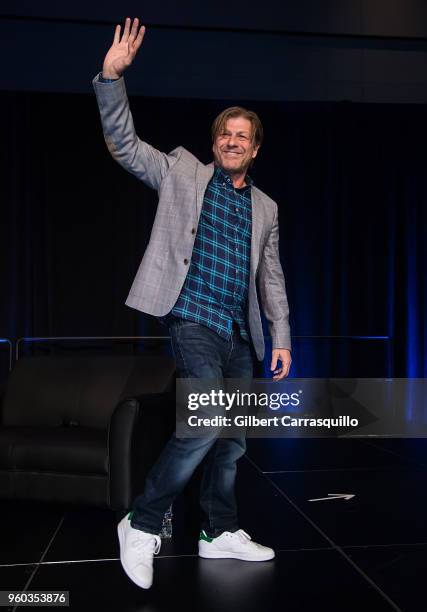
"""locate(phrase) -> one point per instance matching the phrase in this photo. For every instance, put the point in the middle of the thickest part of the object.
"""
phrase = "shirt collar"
(220, 177)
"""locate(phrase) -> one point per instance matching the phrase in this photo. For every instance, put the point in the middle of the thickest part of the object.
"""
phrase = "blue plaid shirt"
(216, 286)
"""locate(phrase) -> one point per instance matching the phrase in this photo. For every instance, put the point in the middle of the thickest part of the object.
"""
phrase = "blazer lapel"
(203, 176)
(257, 226)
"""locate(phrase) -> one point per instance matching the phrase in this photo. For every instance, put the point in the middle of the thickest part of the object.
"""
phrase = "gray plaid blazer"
(181, 180)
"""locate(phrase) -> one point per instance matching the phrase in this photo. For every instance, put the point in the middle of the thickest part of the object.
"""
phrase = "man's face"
(233, 148)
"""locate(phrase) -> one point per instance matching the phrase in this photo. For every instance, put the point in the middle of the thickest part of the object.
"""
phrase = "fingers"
(139, 39)
(134, 31)
(131, 36)
(125, 36)
(282, 373)
(117, 35)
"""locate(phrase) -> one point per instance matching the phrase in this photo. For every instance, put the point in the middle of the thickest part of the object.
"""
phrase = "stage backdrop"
(351, 184)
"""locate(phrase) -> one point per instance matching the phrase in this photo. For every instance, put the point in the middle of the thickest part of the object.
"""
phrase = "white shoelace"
(151, 545)
(243, 536)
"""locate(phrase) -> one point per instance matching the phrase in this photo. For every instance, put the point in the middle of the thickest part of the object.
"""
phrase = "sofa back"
(80, 389)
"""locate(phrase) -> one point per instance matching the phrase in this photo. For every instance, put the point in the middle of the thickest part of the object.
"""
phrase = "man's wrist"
(107, 78)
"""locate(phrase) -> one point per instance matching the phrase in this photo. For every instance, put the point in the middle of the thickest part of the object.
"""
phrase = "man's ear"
(255, 151)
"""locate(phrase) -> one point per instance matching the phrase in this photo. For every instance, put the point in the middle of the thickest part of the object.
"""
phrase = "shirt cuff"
(102, 80)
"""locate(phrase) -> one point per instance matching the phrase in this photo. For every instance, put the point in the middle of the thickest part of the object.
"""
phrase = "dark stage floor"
(364, 554)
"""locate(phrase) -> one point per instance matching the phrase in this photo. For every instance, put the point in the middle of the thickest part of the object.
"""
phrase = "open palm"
(122, 52)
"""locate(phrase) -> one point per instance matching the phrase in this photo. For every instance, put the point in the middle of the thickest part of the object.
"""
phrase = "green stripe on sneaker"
(203, 536)
(130, 515)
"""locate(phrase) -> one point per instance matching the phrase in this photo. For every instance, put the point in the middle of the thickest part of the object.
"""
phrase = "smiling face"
(233, 147)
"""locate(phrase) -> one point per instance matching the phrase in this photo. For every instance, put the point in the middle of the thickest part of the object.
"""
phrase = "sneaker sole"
(128, 572)
(219, 554)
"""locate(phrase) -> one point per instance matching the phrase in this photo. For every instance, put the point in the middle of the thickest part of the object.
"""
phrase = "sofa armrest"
(2, 394)
(139, 428)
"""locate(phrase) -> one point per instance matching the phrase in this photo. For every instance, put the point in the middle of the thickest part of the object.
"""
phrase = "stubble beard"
(233, 171)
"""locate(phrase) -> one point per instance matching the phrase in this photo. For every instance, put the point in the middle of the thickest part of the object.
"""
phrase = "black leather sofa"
(84, 429)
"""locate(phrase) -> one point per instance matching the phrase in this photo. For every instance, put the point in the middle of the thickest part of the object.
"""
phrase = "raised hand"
(122, 52)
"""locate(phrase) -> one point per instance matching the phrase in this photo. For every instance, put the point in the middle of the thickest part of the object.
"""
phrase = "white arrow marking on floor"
(345, 496)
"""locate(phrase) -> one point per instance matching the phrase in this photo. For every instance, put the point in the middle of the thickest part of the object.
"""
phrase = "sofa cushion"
(73, 449)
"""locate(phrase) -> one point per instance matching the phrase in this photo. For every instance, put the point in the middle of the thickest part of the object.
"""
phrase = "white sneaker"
(136, 552)
(233, 545)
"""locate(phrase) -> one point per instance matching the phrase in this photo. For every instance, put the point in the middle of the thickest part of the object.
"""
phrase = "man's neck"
(238, 180)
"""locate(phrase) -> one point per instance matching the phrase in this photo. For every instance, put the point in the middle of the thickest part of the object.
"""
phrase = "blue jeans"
(199, 353)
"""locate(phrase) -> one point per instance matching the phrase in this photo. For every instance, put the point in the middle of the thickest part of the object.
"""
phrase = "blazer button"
(186, 261)
(193, 230)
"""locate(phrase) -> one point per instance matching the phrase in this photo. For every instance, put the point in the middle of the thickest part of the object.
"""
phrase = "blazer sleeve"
(136, 156)
(271, 283)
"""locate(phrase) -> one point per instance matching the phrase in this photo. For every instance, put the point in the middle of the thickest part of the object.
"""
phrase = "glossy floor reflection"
(365, 553)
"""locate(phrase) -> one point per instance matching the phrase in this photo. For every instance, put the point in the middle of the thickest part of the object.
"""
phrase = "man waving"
(215, 235)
